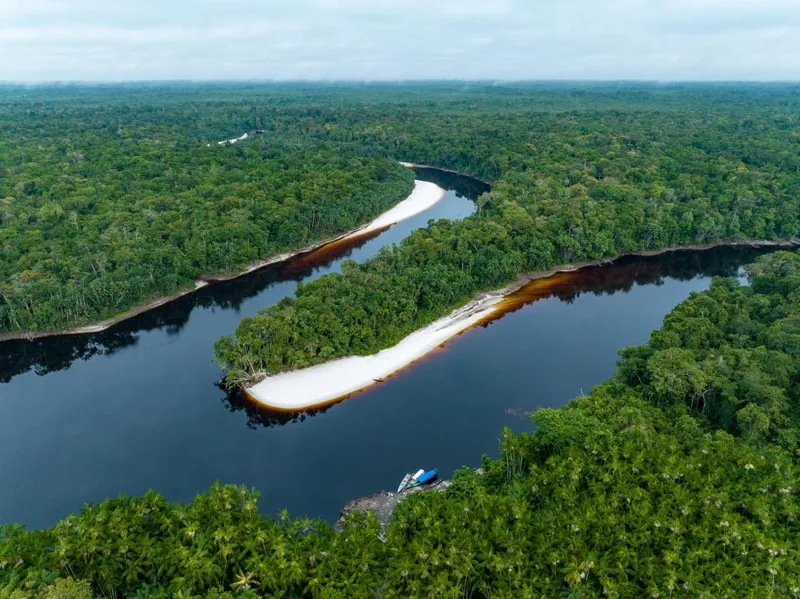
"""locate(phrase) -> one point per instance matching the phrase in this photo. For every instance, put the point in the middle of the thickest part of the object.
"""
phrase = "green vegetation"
(106, 207)
(578, 174)
(731, 354)
(677, 478)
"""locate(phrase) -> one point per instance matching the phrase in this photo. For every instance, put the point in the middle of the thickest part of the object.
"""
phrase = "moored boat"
(409, 479)
(424, 478)
(405, 483)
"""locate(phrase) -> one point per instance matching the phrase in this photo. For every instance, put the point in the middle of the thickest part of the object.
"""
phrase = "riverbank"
(424, 196)
(382, 504)
(334, 381)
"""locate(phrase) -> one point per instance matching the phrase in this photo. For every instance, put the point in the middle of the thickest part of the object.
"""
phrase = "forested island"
(676, 478)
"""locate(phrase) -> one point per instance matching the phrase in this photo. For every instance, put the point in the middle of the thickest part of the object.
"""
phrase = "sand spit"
(234, 140)
(230, 142)
(335, 380)
(324, 383)
(422, 197)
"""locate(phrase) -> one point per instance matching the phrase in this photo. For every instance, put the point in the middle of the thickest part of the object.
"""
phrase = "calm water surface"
(137, 407)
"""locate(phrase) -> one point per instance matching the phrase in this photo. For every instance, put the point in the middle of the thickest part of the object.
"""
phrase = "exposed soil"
(382, 504)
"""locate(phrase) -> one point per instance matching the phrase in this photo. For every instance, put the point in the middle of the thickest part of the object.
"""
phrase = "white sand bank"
(320, 384)
(234, 140)
(423, 197)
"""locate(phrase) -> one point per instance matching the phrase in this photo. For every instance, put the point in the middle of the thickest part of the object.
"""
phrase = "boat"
(408, 479)
(404, 484)
(426, 477)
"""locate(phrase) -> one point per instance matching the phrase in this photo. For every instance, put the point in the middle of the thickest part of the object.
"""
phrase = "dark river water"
(137, 407)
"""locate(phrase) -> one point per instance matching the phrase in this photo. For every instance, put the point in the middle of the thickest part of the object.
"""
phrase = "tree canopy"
(638, 489)
(578, 174)
(104, 207)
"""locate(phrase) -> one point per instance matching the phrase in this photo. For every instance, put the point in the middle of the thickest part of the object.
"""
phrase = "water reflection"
(51, 354)
(623, 274)
(463, 186)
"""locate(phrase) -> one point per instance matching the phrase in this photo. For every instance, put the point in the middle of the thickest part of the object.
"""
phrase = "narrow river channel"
(137, 407)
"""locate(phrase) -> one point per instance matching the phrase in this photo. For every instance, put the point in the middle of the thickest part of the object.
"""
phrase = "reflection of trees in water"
(51, 354)
(258, 415)
(463, 186)
(623, 274)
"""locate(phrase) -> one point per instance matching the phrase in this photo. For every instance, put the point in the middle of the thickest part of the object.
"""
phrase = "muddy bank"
(382, 504)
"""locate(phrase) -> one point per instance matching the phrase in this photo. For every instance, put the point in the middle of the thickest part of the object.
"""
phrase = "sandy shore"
(324, 383)
(423, 196)
(335, 380)
(226, 142)
(234, 140)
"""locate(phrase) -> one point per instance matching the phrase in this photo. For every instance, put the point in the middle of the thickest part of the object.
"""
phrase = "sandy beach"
(234, 140)
(423, 197)
(321, 384)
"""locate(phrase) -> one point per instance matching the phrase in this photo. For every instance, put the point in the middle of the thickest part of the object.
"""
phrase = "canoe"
(404, 484)
(409, 478)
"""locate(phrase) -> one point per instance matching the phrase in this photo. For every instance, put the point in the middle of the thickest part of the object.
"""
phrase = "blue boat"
(426, 478)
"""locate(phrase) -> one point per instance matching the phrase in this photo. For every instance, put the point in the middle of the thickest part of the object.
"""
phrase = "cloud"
(399, 39)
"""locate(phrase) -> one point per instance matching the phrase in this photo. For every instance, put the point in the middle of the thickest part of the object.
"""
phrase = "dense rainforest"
(103, 207)
(578, 174)
(678, 477)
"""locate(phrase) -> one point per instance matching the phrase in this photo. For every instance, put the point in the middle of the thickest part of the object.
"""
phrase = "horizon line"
(329, 81)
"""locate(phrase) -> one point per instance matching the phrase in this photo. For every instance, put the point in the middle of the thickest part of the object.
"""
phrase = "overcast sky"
(399, 39)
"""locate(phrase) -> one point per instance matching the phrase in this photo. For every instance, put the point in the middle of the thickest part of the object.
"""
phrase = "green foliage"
(631, 491)
(62, 588)
(102, 209)
(731, 354)
(577, 175)
(150, 548)
(561, 428)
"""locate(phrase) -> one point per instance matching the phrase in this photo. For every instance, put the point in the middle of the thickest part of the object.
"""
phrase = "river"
(137, 407)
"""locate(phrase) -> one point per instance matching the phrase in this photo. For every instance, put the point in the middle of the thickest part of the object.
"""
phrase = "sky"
(667, 40)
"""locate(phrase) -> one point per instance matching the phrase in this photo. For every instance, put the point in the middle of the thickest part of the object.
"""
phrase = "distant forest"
(579, 173)
(109, 200)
